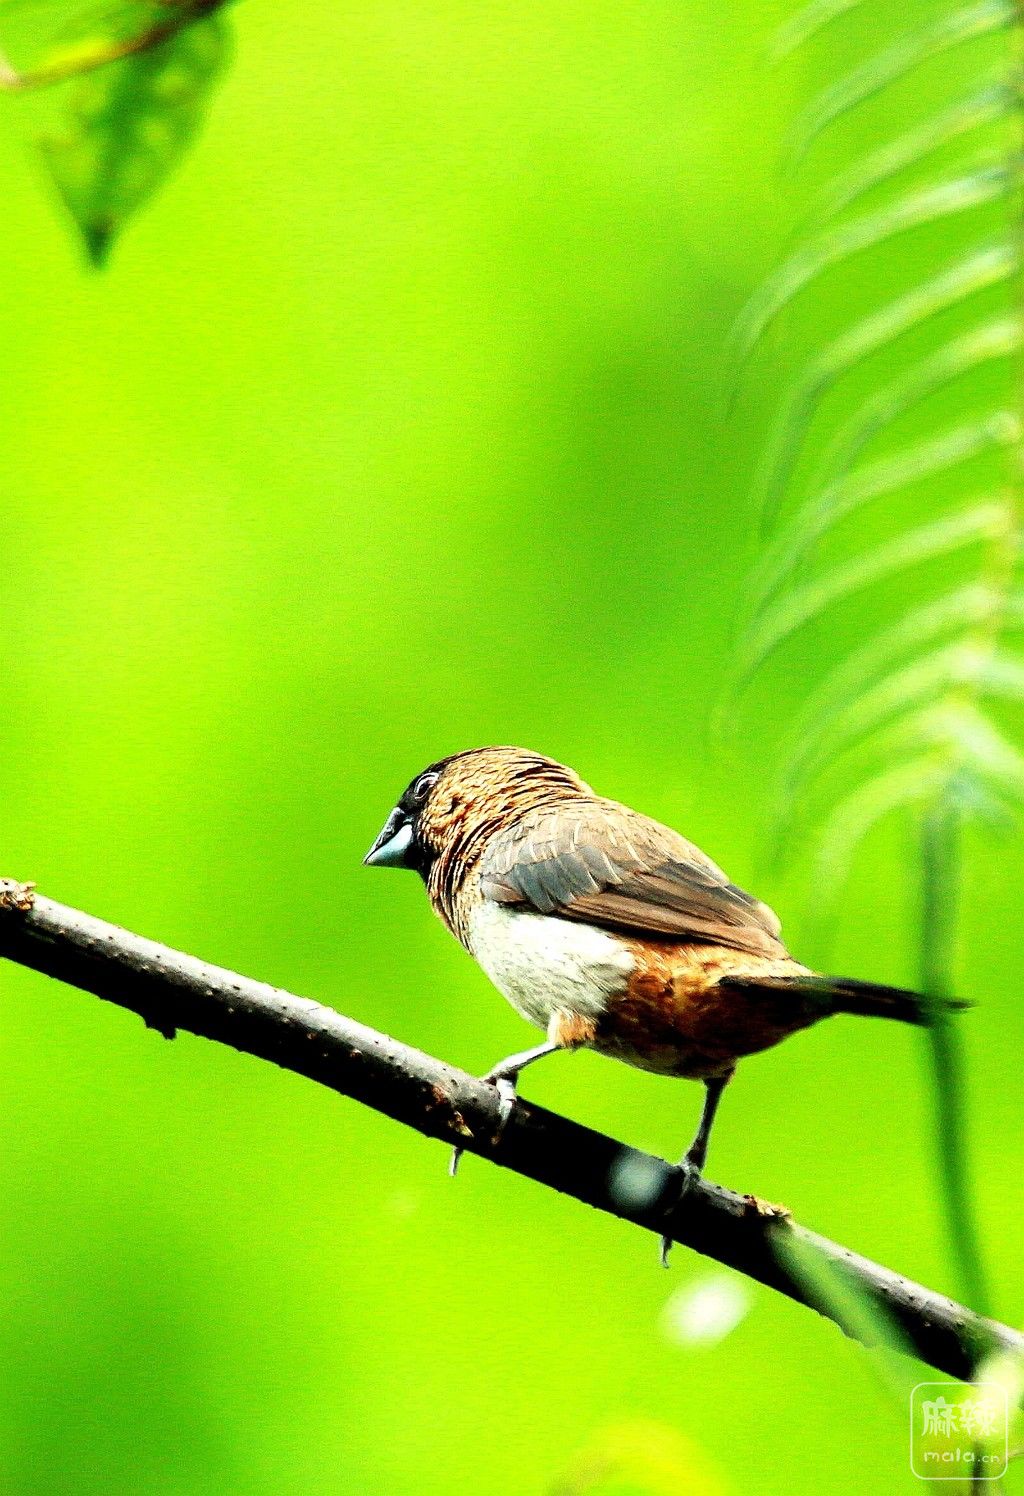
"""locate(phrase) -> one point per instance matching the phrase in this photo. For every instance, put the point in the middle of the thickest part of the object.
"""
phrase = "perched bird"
(605, 928)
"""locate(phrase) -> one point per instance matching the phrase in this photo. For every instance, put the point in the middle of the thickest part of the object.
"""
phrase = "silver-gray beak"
(393, 843)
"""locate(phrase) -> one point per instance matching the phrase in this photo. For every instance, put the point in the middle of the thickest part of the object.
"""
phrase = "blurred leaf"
(884, 478)
(978, 271)
(895, 61)
(894, 695)
(903, 716)
(951, 664)
(808, 21)
(995, 101)
(911, 781)
(962, 666)
(49, 42)
(129, 124)
(859, 1315)
(965, 354)
(967, 606)
(917, 209)
(973, 741)
(980, 522)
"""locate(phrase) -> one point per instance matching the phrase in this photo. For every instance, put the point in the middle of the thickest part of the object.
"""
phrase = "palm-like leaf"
(892, 484)
(893, 62)
(865, 431)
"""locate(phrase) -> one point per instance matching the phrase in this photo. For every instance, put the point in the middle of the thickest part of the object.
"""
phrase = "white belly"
(546, 965)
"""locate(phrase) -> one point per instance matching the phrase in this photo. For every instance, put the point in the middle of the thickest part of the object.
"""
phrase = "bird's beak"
(393, 843)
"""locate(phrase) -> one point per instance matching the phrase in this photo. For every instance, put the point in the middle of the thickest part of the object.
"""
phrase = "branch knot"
(16, 897)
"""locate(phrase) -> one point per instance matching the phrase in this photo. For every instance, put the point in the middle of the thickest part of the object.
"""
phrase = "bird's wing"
(603, 864)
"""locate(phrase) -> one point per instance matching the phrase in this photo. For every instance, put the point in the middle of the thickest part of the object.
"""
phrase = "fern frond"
(967, 607)
(895, 62)
(911, 781)
(871, 483)
(981, 522)
(808, 22)
(917, 209)
(952, 287)
(993, 103)
(994, 342)
(885, 478)
(895, 695)
(982, 752)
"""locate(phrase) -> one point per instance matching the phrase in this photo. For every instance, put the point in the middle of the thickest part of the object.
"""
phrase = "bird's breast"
(545, 965)
(661, 1006)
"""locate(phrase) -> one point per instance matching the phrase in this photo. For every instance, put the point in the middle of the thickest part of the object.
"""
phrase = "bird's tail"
(866, 999)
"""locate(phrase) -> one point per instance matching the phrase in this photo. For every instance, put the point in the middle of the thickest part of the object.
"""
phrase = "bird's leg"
(696, 1155)
(691, 1165)
(505, 1077)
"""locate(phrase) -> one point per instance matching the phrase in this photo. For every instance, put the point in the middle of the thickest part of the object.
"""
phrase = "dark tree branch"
(173, 991)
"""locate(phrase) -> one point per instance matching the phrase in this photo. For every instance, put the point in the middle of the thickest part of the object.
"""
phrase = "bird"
(608, 930)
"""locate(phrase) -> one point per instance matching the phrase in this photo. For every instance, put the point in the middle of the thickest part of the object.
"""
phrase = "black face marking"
(410, 834)
(401, 830)
(417, 792)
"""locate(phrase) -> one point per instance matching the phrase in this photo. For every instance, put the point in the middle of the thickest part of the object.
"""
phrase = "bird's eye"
(421, 789)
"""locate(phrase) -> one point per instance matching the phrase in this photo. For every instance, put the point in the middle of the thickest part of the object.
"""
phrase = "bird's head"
(459, 800)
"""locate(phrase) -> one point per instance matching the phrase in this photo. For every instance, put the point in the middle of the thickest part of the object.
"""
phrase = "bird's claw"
(506, 1101)
(506, 1088)
(686, 1176)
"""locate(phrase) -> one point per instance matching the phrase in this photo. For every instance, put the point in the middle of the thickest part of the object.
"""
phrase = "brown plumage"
(606, 928)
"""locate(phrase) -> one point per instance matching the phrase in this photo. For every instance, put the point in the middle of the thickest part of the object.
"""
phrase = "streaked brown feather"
(599, 862)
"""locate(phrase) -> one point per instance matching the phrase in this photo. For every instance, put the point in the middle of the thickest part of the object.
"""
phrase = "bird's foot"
(686, 1176)
(505, 1085)
(505, 1077)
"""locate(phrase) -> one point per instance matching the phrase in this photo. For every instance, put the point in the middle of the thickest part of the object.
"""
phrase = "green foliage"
(906, 408)
(127, 127)
(136, 81)
(396, 427)
(892, 63)
(860, 1316)
(924, 691)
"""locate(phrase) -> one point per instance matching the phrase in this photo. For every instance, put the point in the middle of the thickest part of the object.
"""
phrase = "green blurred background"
(397, 426)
